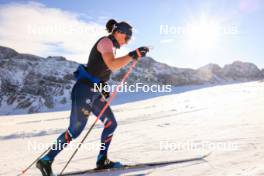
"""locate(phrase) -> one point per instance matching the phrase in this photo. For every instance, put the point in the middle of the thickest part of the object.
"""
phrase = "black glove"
(104, 93)
(140, 52)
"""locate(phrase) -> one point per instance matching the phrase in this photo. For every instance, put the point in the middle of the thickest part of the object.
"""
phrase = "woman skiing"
(86, 99)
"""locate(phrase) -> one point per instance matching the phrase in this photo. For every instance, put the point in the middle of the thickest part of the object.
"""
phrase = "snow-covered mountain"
(241, 71)
(150, 71)
(35, 84)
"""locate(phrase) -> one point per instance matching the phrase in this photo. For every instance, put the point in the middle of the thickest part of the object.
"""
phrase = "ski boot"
(45, 167)
(104, 163)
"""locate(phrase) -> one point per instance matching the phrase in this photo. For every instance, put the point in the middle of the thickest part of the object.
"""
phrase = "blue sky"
(234, 29)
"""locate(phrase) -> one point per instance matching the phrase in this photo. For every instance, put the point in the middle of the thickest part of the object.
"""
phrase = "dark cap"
(123, 27)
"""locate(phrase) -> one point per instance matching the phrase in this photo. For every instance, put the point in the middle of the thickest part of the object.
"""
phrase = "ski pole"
(101, 113)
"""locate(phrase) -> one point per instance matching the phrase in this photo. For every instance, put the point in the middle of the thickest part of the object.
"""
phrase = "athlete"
(86, 99)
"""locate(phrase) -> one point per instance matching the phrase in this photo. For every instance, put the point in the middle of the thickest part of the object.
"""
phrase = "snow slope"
(226, 119)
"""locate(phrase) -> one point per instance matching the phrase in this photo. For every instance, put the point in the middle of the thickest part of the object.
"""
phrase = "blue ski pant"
(84, 101)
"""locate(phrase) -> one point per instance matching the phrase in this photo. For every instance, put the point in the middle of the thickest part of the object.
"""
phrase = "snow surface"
(229, 116)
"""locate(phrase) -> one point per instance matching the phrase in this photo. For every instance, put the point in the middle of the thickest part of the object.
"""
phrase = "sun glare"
(203, 33)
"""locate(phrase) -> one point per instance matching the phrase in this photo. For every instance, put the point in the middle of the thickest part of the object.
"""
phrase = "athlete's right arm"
(115, 63)
(105, 47)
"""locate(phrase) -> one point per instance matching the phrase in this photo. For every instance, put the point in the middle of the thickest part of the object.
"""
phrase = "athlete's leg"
(109, 122)
(81, 107)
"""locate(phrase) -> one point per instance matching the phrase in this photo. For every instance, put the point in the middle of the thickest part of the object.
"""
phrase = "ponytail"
(110, 24)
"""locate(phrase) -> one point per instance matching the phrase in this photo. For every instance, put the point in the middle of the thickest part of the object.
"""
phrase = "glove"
(103, 92)
(106, 94)
(139, 52)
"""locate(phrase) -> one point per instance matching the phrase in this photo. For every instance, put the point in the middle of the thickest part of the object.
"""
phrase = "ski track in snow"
(227, 114)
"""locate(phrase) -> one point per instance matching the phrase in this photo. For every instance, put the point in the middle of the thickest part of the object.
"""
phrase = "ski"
(141, 165)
